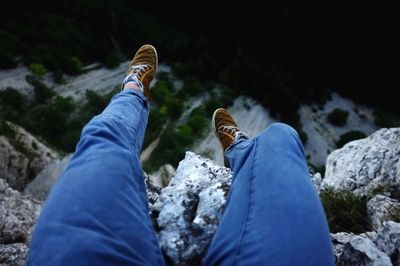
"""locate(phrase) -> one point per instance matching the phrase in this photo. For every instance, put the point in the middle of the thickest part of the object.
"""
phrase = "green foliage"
(113, 60)
(58, 77)
(42, 93)
(73, 65)
(174, 142)
(349, 136)
(192, 86)
(9, 49)
(338, 117)
(51, 120)
(345, 211)
(197, 121)
(95, 102)
(12, 102)
(6, 130)
(384, 118)
(393, 191)
(157, 119)
(37, 69)
(303, 137)
(161, 92)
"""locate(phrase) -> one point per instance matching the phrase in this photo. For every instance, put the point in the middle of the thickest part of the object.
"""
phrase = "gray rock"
(40, 186)
(163, 175)
(382, 208)
(190, 207)
(22, 156)
(13, 254)
(388, 240)
(365, 165)
(353, 249)
(316, 178)
(18, 214)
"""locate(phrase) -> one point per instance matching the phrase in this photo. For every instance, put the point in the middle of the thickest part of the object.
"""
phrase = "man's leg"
(273, 215)
(97, 213)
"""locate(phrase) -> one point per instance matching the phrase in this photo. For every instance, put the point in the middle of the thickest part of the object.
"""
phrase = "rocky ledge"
(187, 211)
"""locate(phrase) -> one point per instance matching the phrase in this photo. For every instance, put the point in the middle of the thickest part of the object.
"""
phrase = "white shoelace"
(133, 76)
(233, 130)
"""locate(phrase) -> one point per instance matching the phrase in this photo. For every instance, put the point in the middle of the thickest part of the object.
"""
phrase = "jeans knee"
(282, 128)
(281, 132)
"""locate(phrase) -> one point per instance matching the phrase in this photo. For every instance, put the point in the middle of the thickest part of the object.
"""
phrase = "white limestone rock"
(388, 240)
(190, 207)
(365, 165)
(382, 208)
(350, 249)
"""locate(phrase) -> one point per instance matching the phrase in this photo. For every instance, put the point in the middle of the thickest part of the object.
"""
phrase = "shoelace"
(235, 131)
(135, 73)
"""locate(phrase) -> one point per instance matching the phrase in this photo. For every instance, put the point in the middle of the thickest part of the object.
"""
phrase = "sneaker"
(142, 69)
(226, 129)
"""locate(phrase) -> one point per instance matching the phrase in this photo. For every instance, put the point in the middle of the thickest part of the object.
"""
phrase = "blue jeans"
(97, 212)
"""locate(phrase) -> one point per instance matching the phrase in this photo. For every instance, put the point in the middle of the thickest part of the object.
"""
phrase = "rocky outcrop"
(369, 168)
(372, 248)
(388, 240)
(13, 254)
(40, 187)
(18, 214)
(190, 207)
(367, 165)
(22, 156)
(382, 208)
(353, 249)
(187, 211)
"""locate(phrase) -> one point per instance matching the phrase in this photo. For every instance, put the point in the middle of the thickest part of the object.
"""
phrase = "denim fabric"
(97, 213)
(273, 215)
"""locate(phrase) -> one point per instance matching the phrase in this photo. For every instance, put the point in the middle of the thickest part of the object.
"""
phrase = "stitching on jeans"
(244, 225)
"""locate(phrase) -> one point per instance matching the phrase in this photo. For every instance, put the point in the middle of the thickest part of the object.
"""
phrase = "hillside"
(252, 117)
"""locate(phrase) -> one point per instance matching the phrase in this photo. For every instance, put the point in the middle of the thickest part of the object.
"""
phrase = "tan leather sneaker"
(142, 69)
(226, 129)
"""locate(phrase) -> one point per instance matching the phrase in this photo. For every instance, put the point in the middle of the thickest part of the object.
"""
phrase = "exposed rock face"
(13, 254)
(388, 240)
(353, 249)
(40, 187)
(190, 208)
(18, 214)
(382, 208)
(22, 156)
(365, 165)
(187, 212)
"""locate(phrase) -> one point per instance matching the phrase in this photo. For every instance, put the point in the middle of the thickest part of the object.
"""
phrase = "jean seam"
(246, 217)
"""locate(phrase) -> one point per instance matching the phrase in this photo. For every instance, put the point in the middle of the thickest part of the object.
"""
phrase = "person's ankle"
(132, 86)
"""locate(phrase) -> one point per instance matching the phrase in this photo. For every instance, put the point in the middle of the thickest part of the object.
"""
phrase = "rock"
(13, 254)
(18, 214)
(316, 178)
(163, 175)
(350, 249)
(40, 186)
(388, 240)
(365, 165)
(382, 208)
(190, 207)
(22, 156)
